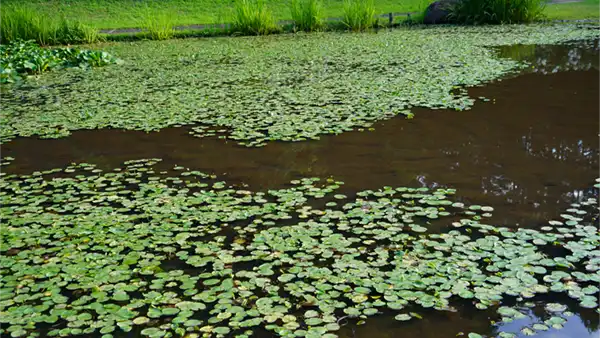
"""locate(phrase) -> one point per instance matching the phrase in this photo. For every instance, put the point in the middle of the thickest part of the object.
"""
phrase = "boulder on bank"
(438, 11)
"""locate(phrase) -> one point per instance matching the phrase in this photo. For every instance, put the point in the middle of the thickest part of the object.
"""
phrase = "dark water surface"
(528, 152)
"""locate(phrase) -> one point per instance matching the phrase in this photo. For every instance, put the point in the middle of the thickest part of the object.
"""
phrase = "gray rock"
(438, 11)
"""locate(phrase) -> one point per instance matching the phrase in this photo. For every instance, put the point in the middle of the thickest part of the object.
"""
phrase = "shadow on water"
(527, 152)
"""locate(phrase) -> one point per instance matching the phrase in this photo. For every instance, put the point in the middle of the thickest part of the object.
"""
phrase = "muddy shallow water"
(529, 151)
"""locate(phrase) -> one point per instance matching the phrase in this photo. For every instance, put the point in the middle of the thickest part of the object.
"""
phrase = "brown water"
(528, 152)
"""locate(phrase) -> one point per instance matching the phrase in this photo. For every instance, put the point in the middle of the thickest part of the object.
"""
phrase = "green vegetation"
(359, 15)
(284, 90)
(21, 58)
(52, 22)
(587, 9)
(135, 250)
(25, 23)
(307, 14)
(497, 11)
(252, 17)
(159, 26)
(180, 253)
(106, 14)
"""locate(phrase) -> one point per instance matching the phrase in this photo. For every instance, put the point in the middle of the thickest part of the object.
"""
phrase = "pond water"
(529, 149)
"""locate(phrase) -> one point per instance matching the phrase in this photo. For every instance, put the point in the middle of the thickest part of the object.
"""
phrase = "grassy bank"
(77, 21)
(587, 9)
(107, 14)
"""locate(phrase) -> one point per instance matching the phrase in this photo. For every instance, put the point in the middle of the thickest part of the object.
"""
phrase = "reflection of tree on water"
(301, 160)
(536, 313)
(547, 59)
(564, 151)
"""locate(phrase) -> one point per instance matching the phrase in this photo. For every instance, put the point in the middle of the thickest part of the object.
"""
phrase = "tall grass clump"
(252, 17)
(307, 14)
(160, 25)
(475, 12)
(359, 14)
(24, 23)
(69, 31)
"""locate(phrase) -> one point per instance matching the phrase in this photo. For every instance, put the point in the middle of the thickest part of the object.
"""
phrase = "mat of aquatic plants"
(23, 58)
(179, 252)
(289, 87)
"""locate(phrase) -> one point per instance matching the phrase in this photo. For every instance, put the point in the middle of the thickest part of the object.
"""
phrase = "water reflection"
(447, 324)
(575, 151)
(548, 59)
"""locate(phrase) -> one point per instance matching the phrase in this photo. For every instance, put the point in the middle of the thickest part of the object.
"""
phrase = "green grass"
(307, 14)
(107, 14)
(25, 23)
(253, 17)
(158, 25)
(359, 14)
(587, 9)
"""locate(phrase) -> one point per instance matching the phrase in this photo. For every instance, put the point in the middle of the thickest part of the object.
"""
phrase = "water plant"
(497, 11)
(253, 17)
(307, 14)
(22, 58)
(289, 89)
(19, 22)
(359, 15)
(179, 252)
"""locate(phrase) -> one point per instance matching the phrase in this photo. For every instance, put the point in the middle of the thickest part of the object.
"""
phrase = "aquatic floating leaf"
(223, 330)
(527, 331)
(555, 307)
(403, 317)
(153, 332)
(141, 320)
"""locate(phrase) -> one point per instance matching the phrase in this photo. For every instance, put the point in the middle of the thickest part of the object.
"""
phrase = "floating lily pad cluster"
(181, 253)
(287, 88)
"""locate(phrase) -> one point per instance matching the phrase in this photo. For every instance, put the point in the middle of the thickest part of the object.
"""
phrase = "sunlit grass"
(359, 14)
(19, 22)
(307, 14)
(253, 17)
(587, 9)
(159, 25)
(110, 14)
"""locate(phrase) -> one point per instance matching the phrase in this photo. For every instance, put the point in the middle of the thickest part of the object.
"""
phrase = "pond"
(545, 123)
(527, 150)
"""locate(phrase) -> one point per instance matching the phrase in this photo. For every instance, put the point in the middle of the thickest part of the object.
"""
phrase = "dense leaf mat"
(290, 87)
(161, 254)
(21, 58)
